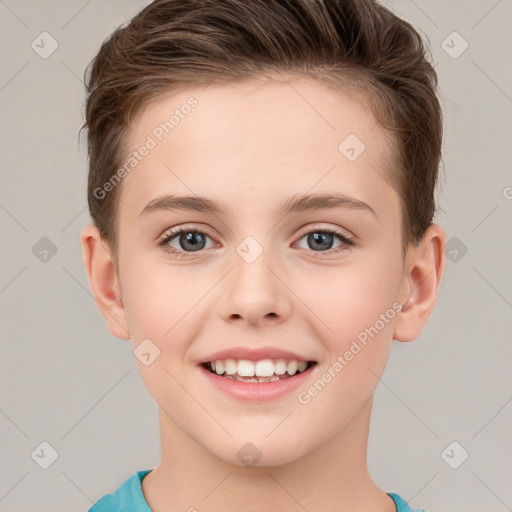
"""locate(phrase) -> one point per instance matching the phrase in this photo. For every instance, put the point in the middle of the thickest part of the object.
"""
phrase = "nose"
(255, 292)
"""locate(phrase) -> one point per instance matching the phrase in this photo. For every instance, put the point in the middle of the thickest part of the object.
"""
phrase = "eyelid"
(184, 227)
(302, 231)
(318, 226)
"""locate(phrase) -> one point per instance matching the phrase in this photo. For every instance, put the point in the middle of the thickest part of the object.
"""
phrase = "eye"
(188, 240)
(323, 238)
(192, 239)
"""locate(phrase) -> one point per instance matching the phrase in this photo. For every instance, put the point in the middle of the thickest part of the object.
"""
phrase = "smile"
(263, 370)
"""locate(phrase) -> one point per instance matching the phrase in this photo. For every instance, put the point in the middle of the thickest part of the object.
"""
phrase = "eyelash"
(171, 234)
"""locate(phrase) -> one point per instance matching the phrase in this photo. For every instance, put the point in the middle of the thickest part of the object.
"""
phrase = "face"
(254, 279)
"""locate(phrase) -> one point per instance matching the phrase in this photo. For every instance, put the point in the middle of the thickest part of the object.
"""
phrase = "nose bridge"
(254, 291)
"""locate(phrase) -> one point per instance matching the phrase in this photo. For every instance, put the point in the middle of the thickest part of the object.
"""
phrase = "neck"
(333, 477)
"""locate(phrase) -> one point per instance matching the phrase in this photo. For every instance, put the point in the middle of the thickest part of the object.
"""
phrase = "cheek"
(360, 311)
(157, 297)
(349, 299)
(159, 308)
(164, 305)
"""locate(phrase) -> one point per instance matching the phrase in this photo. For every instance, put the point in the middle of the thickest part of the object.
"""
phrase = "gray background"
(66, 381)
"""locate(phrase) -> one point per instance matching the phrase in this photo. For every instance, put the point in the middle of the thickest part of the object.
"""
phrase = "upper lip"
(253, 354)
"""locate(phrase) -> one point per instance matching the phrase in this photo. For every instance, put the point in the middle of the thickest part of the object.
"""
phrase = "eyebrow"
(298, 203)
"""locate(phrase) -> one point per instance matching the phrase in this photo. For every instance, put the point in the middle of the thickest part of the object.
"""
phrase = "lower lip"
(256, 391)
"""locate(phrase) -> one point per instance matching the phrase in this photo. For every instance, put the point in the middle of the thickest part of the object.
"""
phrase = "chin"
(260, 452)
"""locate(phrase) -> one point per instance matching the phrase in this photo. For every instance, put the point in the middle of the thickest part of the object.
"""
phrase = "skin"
(252, 146)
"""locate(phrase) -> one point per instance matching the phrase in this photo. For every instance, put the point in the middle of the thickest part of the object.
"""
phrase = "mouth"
(260, 371)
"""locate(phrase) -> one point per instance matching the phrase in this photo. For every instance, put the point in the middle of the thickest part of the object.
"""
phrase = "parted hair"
(357, 45)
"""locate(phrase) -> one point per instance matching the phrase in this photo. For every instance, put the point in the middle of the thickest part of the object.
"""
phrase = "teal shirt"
(129, 498)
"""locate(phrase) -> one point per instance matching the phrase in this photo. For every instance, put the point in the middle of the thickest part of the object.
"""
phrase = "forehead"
(276, 138)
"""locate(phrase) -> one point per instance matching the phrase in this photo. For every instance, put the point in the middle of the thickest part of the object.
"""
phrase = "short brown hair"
(358, 44)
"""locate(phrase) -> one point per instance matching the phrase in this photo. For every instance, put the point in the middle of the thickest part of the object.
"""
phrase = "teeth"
(273, 378)
(246, 368)
(291, 368)
(231, 366)
(219, 367)
(264, 370)
(280, 367)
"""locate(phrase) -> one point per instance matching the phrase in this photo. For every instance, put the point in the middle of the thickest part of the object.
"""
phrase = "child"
(263, 129)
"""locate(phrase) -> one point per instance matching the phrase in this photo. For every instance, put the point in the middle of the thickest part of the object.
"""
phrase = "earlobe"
(104, 281)
(424, 269)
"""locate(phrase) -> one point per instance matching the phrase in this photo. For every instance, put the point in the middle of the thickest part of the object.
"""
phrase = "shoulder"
(401, 504)
(128, 497)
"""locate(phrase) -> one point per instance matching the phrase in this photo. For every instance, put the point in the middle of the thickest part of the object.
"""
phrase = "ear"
(104, 281)
(424, 267)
